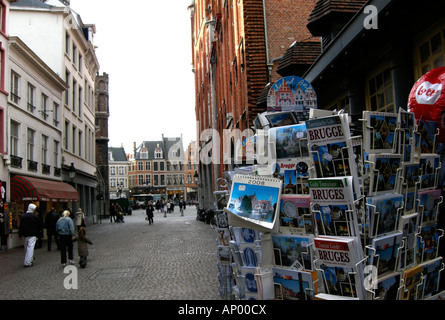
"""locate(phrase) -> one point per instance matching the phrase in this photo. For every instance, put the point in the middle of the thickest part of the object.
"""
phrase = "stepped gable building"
(157, 167)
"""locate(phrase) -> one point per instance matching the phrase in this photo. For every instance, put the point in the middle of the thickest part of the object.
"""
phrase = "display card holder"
(350, 287)
(398, 257)
(296, 264)
(420, 241)
(424, 281)
(279, 292)
(322, 228)
(434, 215)
(336, 166)
(375, 221)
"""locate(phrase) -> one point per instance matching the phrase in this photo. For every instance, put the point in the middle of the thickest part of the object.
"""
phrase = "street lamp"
(72, 172)
(196, 178)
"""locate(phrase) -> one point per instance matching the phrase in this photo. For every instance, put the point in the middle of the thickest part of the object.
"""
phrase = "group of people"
(159, 205)
(116, 213)
(61, 227)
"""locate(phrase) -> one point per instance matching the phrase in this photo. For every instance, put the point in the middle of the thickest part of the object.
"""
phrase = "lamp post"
(72, 172)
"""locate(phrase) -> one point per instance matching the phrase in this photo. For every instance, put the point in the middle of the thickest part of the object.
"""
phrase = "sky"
(145, 48)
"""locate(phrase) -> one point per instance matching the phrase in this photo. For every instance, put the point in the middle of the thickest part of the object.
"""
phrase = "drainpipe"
(269, 65)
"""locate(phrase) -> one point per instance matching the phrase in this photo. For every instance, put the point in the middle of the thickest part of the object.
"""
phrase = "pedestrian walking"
(50, 221)
(158, 206)
(65, 229)
(82, 246)
(168, 206)
(149, 212)
(181, 206)
(80, 219)
(112, 213)
(31, 226)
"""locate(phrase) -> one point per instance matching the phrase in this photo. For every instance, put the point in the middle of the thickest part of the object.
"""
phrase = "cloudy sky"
(145, 48)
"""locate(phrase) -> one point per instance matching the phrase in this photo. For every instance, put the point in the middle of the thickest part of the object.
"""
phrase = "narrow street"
(173, 259)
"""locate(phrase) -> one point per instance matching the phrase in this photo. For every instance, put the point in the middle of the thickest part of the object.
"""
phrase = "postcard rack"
(383, 243)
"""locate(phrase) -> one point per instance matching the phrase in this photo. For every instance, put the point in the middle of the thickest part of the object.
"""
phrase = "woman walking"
(149, 211)
(65, 230)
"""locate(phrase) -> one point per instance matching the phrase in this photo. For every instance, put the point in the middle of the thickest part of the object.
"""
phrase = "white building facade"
(59, 37)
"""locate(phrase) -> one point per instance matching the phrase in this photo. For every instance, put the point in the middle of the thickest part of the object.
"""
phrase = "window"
(121, 170)
(380, 91)
(30, 145)
(3, 17)
(147, 166)
(30, 95)
(44, 106)
(44, 149)
(74, 94)
(74, 139)
(67, 43)
(55, 114)
(79, 140)
(67, 92)
(155, 180)
(161, 166)
(112, 170)
(80, 62)
(15, 87)
(432, 52)
(56, 154)
(65, 136)
(140, 166)
(14, 138)
(74, 55)
(155, 166)
(80, 101)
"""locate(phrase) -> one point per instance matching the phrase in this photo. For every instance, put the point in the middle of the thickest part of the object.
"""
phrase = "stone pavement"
(172, 259)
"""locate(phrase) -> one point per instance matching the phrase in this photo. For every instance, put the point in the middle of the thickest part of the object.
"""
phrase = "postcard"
(379, 131)
(293, 284)
(295, 214)
(293, 251)
(254, 202)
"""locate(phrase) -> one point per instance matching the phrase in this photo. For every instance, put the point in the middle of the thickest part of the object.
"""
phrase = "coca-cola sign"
(427, 99)
(428, 93)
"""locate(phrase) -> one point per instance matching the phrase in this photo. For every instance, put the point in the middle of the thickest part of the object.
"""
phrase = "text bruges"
(325, 133)
(333, 256)
(327, 194)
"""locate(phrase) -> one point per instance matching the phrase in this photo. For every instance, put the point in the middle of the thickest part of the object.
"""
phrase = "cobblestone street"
(173, 259)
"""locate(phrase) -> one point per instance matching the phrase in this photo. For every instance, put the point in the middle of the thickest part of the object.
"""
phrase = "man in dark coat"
(50, 221)
(31, 226)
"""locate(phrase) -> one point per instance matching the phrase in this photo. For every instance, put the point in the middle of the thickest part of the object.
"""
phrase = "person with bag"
(31, 226)
(82, 246)
(80, 219)
(149, 212)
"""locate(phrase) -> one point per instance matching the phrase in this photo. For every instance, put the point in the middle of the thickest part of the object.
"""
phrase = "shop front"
(46, 194)
(175, 193)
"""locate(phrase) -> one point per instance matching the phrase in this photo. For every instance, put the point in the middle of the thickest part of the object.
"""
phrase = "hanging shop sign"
(427, 99)
(291, 94)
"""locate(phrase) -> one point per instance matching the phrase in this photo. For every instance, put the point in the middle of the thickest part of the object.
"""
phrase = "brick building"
(236, 50)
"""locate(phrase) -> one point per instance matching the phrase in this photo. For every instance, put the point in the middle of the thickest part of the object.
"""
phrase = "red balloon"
(427, 99)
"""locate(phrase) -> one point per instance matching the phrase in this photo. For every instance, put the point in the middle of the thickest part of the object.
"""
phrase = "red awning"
(33, 189)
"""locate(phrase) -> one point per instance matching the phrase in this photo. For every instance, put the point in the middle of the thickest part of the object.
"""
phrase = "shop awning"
(34, 189)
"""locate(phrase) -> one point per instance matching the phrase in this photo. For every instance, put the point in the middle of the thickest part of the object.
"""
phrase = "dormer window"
(158, 152)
